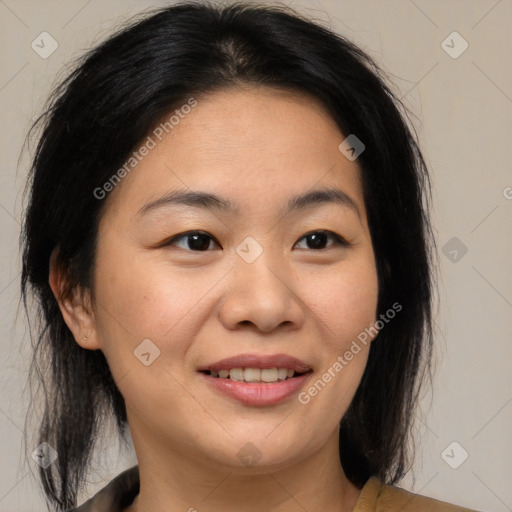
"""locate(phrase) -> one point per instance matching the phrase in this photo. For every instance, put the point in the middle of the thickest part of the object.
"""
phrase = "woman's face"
(262, 283)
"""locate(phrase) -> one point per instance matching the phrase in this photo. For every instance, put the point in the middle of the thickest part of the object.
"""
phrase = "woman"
(258, 369)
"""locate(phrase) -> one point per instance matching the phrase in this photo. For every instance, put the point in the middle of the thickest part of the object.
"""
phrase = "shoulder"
(376, 497)
(116, 495)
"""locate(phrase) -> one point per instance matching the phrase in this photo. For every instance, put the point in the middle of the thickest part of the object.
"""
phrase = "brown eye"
(196, 241)
(317, 240)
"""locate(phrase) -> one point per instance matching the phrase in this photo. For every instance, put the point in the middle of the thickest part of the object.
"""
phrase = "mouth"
(257, 380)
(256, 368)
(255, 375)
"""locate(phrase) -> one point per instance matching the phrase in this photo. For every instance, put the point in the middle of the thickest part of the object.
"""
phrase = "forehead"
(254, 145)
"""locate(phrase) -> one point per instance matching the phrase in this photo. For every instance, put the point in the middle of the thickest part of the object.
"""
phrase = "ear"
(75, 306)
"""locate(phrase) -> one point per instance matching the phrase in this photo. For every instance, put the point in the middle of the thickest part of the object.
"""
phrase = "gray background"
(462, 111)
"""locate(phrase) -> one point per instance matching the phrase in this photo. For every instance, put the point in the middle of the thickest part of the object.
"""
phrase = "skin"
(199, 307)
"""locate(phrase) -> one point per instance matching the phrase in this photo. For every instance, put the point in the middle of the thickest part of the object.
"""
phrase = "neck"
(190, 483)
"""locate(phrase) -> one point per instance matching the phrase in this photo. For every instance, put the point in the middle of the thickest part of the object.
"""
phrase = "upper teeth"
(254, 374)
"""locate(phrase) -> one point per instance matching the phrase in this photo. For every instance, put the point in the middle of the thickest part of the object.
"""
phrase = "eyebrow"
(208, 201)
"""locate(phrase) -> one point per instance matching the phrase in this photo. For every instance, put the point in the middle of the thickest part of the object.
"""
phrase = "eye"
(196, 241)
(318, 239)
(200, 241)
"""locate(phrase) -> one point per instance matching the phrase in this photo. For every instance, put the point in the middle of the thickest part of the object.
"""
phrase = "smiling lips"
(257, 380)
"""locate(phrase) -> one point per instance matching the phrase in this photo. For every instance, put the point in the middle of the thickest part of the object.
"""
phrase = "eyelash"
(340, 241)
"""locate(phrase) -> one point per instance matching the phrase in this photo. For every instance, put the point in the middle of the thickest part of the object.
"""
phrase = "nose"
(261, 295)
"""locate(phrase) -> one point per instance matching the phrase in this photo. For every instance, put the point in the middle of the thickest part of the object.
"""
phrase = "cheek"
(345, 300)
(345, 305)
(140, 299)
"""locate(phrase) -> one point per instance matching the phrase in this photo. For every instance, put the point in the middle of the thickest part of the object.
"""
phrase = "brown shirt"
(374, 497)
